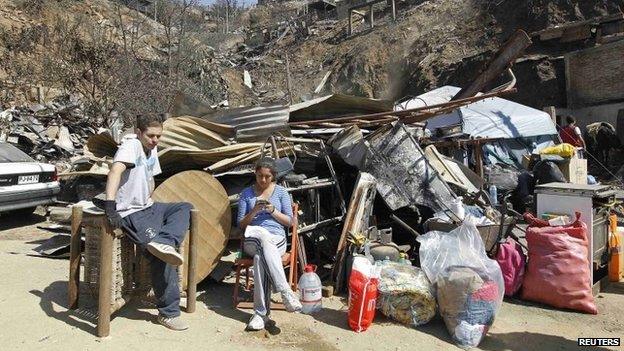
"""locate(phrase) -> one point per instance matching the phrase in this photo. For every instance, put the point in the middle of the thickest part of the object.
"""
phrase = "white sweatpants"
(267, 250)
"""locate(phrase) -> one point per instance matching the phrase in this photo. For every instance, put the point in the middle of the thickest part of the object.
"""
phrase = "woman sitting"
(264, 209)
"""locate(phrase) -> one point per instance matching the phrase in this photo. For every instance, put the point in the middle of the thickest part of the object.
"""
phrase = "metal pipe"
(404, 225)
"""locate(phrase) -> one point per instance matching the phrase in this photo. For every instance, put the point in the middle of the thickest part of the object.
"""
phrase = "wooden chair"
(289, 260)
(117, 266)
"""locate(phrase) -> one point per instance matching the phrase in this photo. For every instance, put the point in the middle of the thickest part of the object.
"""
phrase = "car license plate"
(28, 179)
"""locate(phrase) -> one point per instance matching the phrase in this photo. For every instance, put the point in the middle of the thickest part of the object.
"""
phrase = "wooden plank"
(551, 33)
(576, 33)
(210, 199)
(355, 220)
(191, 294)
(106, 277)
(73, 289)
(102, 145)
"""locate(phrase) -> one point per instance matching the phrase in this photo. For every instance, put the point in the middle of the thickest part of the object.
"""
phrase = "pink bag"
(512, 261)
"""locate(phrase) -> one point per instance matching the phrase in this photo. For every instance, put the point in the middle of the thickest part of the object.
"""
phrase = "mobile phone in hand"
(262, 202)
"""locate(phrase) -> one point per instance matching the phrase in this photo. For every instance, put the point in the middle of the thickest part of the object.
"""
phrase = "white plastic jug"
(310, 290)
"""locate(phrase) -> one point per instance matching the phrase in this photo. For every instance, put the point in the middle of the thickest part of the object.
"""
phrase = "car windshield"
(9, 153)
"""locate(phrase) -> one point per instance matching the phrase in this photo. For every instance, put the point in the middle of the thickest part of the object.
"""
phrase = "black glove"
(114, 219)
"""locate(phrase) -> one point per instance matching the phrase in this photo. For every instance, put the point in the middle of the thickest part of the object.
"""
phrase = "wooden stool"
(117, 256)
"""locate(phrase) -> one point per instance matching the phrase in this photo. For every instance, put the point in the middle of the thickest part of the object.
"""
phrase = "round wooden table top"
(208, 197)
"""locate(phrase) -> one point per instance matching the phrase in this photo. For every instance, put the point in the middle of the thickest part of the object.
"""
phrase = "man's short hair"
(570, 119)
(145, 121)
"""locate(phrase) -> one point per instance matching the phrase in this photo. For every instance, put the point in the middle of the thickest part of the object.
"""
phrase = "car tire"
(25, 212)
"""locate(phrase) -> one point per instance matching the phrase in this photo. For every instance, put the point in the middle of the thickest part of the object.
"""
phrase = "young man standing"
(157, 227)
(571, 133)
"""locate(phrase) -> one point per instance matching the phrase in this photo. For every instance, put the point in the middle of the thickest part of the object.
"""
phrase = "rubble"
(53, 132)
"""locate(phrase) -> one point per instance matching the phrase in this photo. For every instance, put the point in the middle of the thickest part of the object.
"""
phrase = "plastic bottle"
(367, 253)
(404, 259)
(493, 195)
(310, 290)
(457, 207)
(616, 262)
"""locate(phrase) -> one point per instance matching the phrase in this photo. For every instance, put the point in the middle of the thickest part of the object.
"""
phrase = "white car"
(25, 183)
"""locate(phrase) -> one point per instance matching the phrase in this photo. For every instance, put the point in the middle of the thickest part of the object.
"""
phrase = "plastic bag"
(504, 178)
(558, 269)
(512, 262)
(362, 294)
(405, 294)
(563, 150)
(469, 286)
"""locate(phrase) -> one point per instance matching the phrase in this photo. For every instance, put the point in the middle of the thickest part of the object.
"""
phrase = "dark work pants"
(164, 223)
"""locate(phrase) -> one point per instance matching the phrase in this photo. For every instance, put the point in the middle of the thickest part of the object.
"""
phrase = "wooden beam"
(288, 83)
(502, 60)
(478, 153)
(73, 290)
(552, 112)
(191, 286)
(350, 28)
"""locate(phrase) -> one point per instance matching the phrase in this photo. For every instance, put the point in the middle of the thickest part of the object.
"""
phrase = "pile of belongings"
(469, 286)
(405, 294)
(468, 303)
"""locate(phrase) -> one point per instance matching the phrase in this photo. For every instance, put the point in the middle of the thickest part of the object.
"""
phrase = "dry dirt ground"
(34, 315)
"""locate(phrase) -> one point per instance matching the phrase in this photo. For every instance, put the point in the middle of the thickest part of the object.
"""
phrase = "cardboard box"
(574, 170)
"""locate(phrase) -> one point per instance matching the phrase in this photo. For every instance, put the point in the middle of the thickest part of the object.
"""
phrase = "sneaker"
(165, 253)
(173, 323)
(291, 301)
(256, 322)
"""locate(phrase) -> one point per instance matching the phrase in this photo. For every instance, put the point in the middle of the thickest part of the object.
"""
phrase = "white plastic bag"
(469, 286)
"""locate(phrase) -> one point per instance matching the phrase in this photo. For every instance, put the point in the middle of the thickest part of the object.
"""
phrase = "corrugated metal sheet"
(251, 123)
(337, 105)
(194, 133)
(254, 123)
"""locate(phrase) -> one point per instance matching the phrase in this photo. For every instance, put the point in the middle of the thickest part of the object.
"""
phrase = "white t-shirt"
(134, 192)
(577, 130)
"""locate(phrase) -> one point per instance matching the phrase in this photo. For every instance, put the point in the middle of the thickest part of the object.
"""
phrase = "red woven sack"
(558, 269)
(362, 295)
